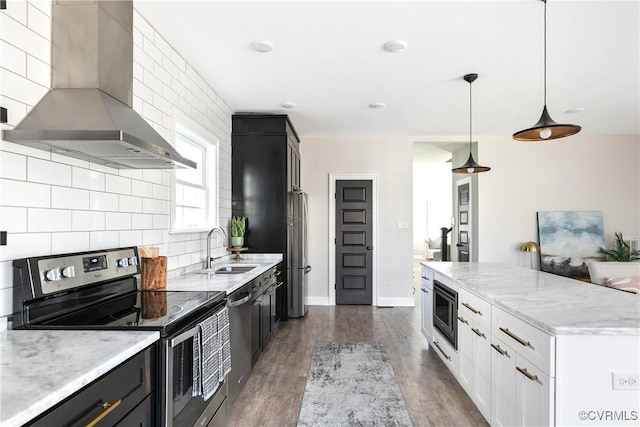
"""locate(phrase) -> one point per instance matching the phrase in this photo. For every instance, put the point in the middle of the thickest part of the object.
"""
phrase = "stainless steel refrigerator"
(297, 248)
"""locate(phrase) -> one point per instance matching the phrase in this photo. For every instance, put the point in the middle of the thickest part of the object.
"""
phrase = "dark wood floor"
(273, 394)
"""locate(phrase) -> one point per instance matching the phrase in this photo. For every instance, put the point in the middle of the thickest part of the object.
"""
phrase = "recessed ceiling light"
(289, 105)
(395, 46)
(263, 46)
(377, 105)
(575, 110)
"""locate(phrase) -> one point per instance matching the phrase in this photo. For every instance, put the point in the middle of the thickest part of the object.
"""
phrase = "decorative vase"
(237, 242)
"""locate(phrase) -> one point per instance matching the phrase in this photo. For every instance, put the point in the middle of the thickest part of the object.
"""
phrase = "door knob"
(369, 248)
(459, 245)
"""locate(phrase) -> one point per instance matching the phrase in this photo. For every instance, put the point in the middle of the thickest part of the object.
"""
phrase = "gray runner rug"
(351, 384)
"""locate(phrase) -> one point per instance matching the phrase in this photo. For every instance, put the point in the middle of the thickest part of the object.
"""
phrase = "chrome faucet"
(224, 242)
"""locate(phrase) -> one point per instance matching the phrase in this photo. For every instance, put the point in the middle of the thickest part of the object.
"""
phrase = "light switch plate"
(403, 224)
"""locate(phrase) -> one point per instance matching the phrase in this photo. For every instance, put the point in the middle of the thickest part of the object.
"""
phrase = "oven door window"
(186, 409)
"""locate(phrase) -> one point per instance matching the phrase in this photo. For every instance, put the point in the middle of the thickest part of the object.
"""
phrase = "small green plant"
(621, 251)
(238, 226)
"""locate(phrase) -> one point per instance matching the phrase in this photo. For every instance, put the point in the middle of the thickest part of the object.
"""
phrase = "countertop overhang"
(556, 304)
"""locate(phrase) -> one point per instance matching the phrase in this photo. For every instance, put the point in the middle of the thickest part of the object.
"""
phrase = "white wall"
(577, 173)
(391, 160)
(56, 204)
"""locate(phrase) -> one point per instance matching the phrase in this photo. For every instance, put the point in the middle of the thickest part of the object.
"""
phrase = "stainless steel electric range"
(99, 290)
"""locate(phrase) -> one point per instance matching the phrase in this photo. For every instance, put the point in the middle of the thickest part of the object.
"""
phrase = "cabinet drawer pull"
(499, 350)
(478, 333)
(524, 372)
(462, 319)
(515, 337)
(472, 309)
(441, 351)
(425, 278)
(108, 407)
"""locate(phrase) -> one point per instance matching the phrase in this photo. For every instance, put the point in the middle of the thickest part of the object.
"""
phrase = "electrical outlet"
(388, 281)
(626, 381)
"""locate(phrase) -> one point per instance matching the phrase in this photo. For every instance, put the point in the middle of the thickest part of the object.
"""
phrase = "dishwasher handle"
(239, 302)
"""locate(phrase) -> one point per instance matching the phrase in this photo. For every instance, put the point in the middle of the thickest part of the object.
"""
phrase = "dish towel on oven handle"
(211, 354)
(206, 358)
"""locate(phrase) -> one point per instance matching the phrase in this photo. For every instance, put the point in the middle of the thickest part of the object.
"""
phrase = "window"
(194, 198)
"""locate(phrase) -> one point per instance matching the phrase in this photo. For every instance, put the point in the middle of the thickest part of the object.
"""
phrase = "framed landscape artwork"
(568, 240)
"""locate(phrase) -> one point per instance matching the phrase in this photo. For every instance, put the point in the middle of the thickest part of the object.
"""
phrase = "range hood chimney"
(88, 114)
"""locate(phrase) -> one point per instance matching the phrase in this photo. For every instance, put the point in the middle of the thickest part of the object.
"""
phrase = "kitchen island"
(39, 369)
(541, 348)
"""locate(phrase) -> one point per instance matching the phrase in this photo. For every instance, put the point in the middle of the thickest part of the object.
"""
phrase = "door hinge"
(335, 241)
(334, 286)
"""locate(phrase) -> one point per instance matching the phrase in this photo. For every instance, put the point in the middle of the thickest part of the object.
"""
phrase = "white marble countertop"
(556, 304)
(39, 369)
(228, 283)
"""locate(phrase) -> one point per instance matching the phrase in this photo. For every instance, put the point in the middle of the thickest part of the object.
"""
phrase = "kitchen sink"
(227, 269)
(234, 269)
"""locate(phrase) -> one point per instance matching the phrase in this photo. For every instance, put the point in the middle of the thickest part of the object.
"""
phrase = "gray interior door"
(464, 222)
(354, 250)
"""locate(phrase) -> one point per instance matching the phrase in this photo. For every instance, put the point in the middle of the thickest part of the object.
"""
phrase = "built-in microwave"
(445, 312)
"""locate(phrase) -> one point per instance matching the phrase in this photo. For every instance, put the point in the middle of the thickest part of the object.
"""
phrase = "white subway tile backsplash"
(17, 34)
(134, 174)
(13, 58)
(22, 245)
(23, 149)
(143, 91)
(151, 113)
(161, 221)
(43, 5)
(131, 238)
(130, 204)
(69, 198)
(177, 248)
(39, 21)
(141, 221)
(20, 193)
(87, 220)
(102, 168)
(103, 201)
(161, 192)
(69, 242)
(151, 206)
(41, 220)
(153, 237)
(118, 184)
(152, 81)
(103, 240)
(177, 59)
(143, 26)
(150, 49)
(15, 112)
(17, 9)
(141, 188)
(48, 172)
(13, 220)
(38, 71)
(166, 207)
(19, 87)
(89, 179)
(13, 166)
(152, 175)
(118, 221)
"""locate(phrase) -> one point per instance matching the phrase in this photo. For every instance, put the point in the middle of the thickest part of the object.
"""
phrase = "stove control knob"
(133, 261)
(123, 262)
(52, 275)
(69, 272)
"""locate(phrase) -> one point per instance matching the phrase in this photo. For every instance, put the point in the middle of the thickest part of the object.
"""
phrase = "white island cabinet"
(539, 349)
(426, 314)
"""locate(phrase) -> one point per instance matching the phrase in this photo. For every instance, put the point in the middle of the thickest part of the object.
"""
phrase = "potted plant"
(238, 228)
(618, 262)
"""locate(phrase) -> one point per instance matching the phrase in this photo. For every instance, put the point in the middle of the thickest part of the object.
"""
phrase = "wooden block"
(154, 273)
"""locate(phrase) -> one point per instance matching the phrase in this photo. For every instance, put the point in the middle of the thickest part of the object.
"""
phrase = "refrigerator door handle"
(307, 269)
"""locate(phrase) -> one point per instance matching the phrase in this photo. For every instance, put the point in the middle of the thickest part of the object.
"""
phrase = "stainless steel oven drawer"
(216, 410)
(112, 396)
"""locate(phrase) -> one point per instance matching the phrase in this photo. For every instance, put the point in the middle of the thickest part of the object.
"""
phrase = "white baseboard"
(396, 302)
(317, 301)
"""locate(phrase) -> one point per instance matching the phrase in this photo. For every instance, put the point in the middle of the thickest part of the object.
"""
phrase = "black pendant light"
(546, 128)
(471, 166)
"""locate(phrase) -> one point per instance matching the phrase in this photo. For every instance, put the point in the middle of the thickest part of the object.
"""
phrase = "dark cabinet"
(265, 169)
(264, 310)
(124, 397)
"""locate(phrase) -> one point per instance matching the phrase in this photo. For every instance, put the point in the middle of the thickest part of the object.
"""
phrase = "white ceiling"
(328, 59)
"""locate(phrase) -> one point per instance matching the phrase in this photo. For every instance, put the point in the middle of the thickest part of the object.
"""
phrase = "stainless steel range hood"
(88, 114)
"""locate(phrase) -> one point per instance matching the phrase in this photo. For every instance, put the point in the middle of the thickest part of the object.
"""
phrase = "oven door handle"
(184, 336)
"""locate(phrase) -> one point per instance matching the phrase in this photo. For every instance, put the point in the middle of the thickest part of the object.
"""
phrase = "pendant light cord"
(470, 116)
(545, 52)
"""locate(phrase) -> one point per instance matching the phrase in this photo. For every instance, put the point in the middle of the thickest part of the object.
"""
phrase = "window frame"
(185, 128)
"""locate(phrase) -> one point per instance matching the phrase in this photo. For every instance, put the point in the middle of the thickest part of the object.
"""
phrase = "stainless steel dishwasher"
(239, 303)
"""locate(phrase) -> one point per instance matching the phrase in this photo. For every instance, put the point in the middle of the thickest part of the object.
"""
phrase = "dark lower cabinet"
(123, 396)
(264, 310)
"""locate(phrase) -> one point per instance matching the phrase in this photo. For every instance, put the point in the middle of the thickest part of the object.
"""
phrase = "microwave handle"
(184, 336)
